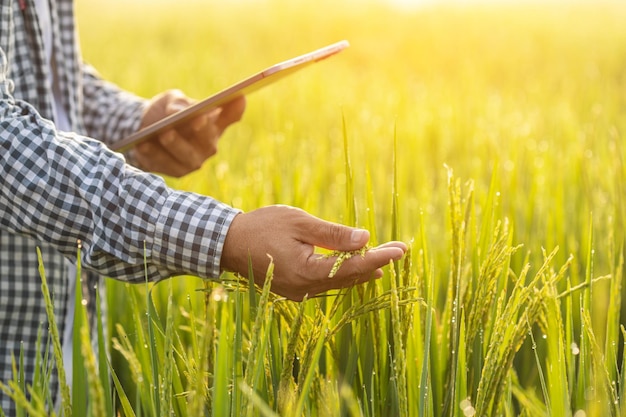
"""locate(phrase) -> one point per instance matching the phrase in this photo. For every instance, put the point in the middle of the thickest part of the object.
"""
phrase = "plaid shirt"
(59, 187)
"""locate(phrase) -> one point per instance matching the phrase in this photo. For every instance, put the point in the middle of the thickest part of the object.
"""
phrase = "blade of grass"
(66, 402)
(154, 362)
(223, 361)
(103, 367)
(399, 359)
(79, 372)
(119, 389)
(254, 363)
(310, 371)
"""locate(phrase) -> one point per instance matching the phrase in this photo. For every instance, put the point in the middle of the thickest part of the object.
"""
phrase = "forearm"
(62, 188)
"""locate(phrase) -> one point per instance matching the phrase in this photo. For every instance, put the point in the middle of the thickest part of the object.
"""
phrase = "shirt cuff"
(190, 234)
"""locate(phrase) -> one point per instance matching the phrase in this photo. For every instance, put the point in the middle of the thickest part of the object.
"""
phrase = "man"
(59, 186)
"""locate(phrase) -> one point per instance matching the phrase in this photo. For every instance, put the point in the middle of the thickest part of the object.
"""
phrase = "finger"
(200, 123)
(393, 244)
(177, 101)
(221, 117)
(153, 156)
(358, 267)
(230, 113)
(334, 236)
(373, 259)
(185, 152)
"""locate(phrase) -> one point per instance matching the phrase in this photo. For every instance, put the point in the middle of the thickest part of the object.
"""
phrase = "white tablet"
(247, 85)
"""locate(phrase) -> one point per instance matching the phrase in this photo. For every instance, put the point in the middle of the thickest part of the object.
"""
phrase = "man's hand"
(289, 236)
(180, 151)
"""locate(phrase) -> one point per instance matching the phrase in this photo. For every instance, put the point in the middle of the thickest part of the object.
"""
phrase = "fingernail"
(360, 235)
(398, 255)
(176, 106)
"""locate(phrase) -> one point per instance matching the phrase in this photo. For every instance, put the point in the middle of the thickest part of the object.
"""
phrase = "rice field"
(486, 136)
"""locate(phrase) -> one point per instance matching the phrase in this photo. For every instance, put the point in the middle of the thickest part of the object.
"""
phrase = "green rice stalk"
(371, 212)
(152, 343)
(380, 303)
(137, 342)
(80, 377)
(542, 379)
(523, 308)
(408, 280)
(103, 366)
(253, 398)
(87, 387)
(287, 391)
(571, 346)
(583, 285)
(22, 377)
(309, 371)
(119, 389)
(368, 339)
(425, 397)
(43, 368)
(276, 340)
(583, 379)
(558, 395)
(613, 316)
(345, 341)
(193, 332)
(351, 215)
(237, 352)
(40, 393)
(255, 362)
(603, 388)
(14, 390)
(463, 405)
(489, 209)
(124, 346)
(458, 224)
(395, 212)
(262, 364)
(480, 298)
(165, 386)
(223, 362)
(622, 378)
(66, 402)
(96, 392)
(314, 334)
(352, 405)
(37, 399)
(530, 404)
(399, 359)
(588, 296)
(199, 371)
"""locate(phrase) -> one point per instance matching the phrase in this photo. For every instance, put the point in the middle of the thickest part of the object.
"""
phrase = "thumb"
(337, 237)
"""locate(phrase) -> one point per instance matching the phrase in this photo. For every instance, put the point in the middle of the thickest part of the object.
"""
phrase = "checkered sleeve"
(61, 188)
(110, 113)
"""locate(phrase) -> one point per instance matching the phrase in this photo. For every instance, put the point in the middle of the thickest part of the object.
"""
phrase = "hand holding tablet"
(246, 86)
